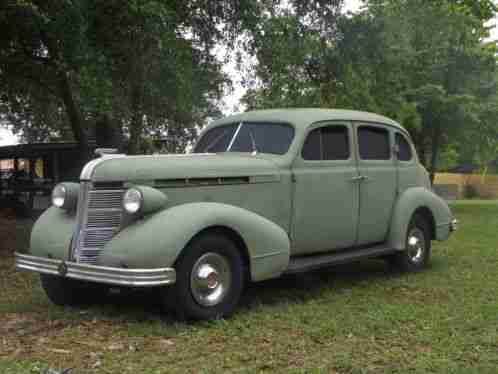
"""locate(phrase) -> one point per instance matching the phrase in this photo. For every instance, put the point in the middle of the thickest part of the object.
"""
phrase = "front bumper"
(99, 274)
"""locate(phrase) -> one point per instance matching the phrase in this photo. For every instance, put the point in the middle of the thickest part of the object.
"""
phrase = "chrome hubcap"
(210, 279)
(416, 245)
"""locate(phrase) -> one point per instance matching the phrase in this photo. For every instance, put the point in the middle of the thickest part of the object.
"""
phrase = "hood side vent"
(199, 182)
(107, 185)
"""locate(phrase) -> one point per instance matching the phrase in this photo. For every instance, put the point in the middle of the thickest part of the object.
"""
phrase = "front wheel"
(210, 279)
(71, 292)
(416, 255)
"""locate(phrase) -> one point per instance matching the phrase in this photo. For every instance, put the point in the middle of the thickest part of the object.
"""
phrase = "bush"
(470, 192)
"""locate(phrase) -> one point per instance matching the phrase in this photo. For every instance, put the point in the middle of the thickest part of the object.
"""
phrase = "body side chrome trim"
(272, 254)
(99, 274)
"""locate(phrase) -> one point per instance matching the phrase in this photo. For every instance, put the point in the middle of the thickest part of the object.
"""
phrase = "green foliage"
(423, 63)
(145, 65)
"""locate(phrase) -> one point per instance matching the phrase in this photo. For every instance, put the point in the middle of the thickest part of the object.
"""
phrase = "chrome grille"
(99, 217)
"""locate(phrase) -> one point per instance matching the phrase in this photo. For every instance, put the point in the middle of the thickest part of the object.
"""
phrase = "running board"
(306, 263)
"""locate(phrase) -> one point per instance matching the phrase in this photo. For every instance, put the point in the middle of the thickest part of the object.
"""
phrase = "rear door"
(377, 168)
(326, 194)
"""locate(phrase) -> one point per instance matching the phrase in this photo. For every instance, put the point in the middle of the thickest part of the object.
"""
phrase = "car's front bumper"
(99, 274)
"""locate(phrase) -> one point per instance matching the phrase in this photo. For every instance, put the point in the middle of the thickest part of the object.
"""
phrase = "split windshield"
(274, 138)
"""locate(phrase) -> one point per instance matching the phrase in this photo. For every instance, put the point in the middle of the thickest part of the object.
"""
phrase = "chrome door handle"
(360, 178)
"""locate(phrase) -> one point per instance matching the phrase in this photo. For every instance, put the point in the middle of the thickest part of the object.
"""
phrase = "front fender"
(158, 240)
(52, 233)
(408, 202)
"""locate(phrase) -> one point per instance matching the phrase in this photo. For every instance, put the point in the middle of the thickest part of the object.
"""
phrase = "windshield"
(274, 138)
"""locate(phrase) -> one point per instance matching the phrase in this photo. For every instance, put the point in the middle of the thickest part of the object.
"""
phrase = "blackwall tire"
(210, 279)
(70, 292)
(417, 253)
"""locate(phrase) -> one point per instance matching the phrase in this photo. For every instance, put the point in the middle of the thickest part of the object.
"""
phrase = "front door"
(325, 190)
(378, 182)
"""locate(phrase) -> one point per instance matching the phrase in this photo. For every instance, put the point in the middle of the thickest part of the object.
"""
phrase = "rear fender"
(158, 240)
(408, 202)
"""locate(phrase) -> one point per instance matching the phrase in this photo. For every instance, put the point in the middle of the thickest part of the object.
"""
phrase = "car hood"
(188, 166)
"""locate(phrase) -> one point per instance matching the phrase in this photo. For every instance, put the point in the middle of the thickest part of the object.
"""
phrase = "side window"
(327, 143)
(405, 150)
(373, 143)
(335, 143)
(312, 148)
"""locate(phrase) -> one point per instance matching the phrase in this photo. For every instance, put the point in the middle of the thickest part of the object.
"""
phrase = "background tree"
(143, 66)
(423, 63)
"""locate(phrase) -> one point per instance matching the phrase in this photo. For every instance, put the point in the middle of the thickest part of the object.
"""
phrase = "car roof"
(301, 118)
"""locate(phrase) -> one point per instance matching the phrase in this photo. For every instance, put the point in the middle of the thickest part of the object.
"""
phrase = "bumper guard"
(99, 274)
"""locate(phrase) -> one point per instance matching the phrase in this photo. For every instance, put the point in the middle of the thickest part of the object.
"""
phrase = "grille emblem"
(62, 269)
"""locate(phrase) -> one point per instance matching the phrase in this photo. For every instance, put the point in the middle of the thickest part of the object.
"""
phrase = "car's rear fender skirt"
(419, 199)
(159, 239)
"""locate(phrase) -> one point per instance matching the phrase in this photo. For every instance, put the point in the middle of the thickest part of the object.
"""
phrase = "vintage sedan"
(263, 193)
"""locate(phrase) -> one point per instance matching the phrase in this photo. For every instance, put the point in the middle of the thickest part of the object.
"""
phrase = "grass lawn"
(359, 318)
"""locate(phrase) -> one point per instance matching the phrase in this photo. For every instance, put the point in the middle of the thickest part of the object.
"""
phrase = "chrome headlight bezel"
(133, 201)
(65, 196)
(59, 196)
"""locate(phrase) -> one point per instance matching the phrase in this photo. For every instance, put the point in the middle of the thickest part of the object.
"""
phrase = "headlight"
(143, 200)
(132, 201)
(59, 196)
(65, 196)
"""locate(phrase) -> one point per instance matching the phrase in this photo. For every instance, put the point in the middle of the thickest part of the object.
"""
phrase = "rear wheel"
(210, 279)
(416, 255)
(71, 292)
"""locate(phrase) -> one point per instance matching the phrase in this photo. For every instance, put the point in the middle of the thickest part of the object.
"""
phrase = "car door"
(325, 193)
(377, 168)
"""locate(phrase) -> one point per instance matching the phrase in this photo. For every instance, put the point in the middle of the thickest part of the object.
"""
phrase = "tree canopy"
(141, 66)
(423, 63)
(147, 68)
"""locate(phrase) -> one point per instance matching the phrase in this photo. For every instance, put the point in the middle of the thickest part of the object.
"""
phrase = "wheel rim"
(210, 279)
(416, 245)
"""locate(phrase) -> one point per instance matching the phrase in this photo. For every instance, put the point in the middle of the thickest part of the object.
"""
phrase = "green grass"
(358, 318)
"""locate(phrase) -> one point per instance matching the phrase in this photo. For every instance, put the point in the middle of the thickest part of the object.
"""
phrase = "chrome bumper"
(453, 225)
(99, 274)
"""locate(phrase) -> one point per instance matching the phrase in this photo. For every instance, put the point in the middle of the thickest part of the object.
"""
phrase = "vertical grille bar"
(99, 217)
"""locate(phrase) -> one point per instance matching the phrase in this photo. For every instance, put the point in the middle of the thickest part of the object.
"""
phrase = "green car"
(262, 194)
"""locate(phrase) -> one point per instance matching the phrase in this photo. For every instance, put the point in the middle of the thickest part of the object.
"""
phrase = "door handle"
(360, 178)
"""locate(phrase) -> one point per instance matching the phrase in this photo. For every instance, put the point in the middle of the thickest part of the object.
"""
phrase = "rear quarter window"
(404, 148)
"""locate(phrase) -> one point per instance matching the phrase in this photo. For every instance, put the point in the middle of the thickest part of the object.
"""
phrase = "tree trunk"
(75, 119)
(436, 139)
(136, 125)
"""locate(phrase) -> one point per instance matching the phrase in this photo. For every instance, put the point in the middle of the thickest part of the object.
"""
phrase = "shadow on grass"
(141, 305)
